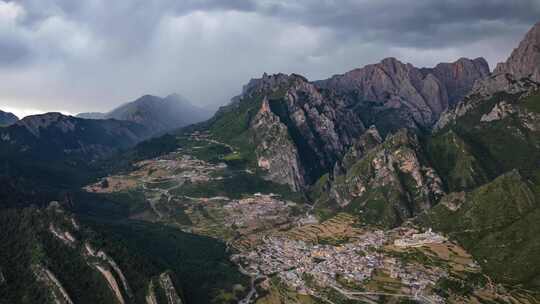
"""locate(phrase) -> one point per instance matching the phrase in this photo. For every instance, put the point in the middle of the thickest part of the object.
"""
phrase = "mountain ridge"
(7, 118)
(323, 118)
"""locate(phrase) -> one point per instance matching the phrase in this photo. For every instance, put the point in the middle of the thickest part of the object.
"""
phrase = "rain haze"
(81, 56)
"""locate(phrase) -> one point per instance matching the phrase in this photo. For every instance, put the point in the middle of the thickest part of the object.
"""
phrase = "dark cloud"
(412, 23)
(95, 54)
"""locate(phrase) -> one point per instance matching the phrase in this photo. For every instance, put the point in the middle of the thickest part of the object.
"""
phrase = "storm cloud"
(92, 55)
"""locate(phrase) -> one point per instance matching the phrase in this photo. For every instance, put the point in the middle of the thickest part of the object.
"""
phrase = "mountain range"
(321, 119)
(56, 135)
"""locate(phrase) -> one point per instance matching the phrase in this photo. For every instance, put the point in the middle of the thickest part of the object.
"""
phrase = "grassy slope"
(455, 162)
(469, 153)
(497, 223)
(232, 126)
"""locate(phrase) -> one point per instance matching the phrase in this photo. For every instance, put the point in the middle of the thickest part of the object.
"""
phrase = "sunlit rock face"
(395, 94)
(525, 59)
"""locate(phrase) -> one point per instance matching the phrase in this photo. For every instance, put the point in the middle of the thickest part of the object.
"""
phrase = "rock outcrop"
(110, 271)
(164, 285)
(151, 297)
(111, 281)
(500, 111)
(276, 153)
(36, 123)
(57, 291)
(367, 141)
(65, 236)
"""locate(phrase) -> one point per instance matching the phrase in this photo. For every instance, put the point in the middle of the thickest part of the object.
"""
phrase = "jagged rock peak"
(271, 82)
(425, 91)
(479, 62)
(519, 74)
(525, 59)
(368, 140)
(460, 76)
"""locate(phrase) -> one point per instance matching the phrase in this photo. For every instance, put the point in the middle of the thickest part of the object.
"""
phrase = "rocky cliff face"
(520, 74)
(459, 77)
(276, 153)
(385, 182)
(525, 59)
(288, 117)
(392, 90)
(7, 118)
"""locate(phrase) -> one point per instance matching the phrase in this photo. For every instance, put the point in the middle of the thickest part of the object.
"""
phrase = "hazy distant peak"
(91, 115)
(177, 97)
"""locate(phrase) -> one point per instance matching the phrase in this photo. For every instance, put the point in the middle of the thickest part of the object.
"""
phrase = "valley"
(275, 237)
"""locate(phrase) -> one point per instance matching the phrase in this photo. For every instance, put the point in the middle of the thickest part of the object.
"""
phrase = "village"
(309, 268)
(259, 207)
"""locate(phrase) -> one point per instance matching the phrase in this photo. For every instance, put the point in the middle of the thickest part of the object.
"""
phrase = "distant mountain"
(7, 118)
(54, 149)
(55, 135)
(157, 114)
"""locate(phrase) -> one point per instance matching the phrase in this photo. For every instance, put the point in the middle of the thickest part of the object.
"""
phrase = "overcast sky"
(92, 55)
